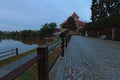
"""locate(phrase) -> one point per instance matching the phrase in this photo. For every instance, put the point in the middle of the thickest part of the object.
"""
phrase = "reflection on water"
(22, 44)
(0, 39)
(33, 41)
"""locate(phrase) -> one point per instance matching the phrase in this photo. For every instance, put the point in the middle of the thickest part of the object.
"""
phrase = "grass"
(14, 58)
(52, 57)
(32, 72)
(56, 40)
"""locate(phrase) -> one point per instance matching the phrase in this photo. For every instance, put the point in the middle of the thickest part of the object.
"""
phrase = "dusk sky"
(31, 14)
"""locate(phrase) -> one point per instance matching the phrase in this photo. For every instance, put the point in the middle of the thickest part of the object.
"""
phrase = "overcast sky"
(31, 14)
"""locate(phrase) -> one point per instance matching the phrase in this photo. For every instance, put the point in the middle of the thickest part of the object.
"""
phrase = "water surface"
(22, 44)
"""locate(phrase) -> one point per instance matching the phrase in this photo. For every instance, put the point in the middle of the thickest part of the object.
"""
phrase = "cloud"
(38, 12)
(4, 27)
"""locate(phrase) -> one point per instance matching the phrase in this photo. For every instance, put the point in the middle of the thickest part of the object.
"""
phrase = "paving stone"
(92, 59)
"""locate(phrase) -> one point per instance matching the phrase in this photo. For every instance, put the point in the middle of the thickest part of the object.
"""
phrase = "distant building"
(80, 24)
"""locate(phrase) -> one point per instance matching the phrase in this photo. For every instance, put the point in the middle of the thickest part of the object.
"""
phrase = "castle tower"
(75, 16)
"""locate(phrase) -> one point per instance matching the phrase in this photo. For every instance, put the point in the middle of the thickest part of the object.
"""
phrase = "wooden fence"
(8, 53)
(42, 62)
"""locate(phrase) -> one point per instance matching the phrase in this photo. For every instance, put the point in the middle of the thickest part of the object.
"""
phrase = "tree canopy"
(47, 30)
(105, 13)
(70, 24)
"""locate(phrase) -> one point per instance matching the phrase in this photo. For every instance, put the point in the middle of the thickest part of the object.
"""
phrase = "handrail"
(7, 55)
(9, 52)
(12, 75)
(41, 59)
(50, 48)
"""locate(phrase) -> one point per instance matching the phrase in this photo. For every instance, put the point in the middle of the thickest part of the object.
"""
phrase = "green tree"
(52, 26)
(0, 33)
(105, 13)
(47, 30)
(63, 34)
(26, 34)
(95, 11)
(114, 13)
(70, 24)
(88, 26)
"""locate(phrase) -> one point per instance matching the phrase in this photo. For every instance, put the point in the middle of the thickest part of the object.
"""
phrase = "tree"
(88, 26)
(44, 30)
(63, 34)
(114, 20)
(0, 33)
(27, 34)
(52, 26)
(105, 13)
(70, 24)
(47, 30)
(95, 11)
(114, 12)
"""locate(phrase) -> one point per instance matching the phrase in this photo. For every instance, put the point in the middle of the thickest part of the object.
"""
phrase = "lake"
(22, 44)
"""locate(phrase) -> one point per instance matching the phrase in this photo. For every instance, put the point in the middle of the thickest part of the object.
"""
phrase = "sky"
(32, 14)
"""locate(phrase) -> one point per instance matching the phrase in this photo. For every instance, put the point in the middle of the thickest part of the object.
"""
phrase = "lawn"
(32, 72)
(14, 58)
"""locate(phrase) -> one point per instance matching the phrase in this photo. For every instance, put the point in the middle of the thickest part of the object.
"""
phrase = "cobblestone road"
(92, 59)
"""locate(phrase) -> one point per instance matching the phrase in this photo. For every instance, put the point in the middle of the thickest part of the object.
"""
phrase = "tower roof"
(75, 15)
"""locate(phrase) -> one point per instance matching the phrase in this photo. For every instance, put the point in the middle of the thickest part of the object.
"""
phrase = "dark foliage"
(105, 13)
(70, 24)
(47, 30)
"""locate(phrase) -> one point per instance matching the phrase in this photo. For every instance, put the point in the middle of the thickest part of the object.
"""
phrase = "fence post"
(43, 63)
(69, 38)
(16, 51)
(62, 53)
(12, 51)
(66, 42)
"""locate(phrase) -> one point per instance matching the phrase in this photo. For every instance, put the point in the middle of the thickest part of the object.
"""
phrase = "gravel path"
(92, 59)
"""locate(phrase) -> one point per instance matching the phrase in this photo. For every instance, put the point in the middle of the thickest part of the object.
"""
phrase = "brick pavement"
(92, 59)
(89, 59)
